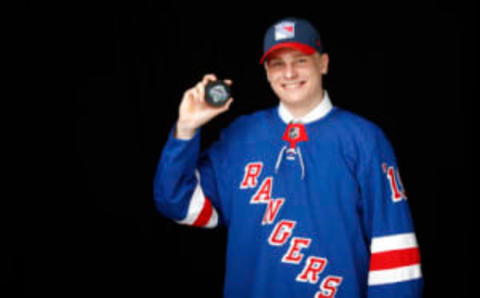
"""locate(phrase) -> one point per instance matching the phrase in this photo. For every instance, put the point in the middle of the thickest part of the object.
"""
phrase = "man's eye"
(276, 63)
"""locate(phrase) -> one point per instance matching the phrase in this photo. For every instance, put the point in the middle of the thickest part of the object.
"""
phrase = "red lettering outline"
(312, 269)
(293, 255)
(264, 192)
(271, 211)
(250, 178)
(281, 232)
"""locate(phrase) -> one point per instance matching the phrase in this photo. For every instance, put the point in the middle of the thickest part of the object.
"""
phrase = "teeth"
(292, 85)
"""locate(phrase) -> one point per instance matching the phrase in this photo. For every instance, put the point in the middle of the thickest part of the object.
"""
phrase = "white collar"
(320, 111)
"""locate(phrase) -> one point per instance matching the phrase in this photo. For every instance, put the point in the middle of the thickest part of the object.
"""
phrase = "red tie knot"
(294, 133)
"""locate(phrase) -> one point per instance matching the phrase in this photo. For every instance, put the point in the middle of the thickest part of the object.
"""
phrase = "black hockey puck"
(217, 93)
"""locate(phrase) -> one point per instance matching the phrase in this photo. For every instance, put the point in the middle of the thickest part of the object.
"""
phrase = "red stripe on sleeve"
(394, 259)
(205, 214)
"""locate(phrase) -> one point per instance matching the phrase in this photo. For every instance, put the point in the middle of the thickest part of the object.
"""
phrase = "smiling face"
(296, 78)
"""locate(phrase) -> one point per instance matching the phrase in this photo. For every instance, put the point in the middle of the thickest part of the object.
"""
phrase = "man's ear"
(265, 65)
(325, 59)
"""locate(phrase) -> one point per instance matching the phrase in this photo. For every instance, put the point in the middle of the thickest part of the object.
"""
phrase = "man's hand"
(194, 111)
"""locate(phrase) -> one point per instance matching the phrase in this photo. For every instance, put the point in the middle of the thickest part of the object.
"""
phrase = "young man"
(310, 193)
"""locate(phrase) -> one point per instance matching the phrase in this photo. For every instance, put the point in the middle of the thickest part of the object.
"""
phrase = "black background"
(99, 88)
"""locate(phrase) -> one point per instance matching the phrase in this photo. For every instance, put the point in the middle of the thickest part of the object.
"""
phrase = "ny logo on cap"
(284, 30)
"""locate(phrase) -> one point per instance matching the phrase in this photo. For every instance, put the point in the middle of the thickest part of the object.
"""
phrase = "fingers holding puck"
(217, 93)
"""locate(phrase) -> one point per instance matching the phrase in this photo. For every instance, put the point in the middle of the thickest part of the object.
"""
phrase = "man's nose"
(290, 71)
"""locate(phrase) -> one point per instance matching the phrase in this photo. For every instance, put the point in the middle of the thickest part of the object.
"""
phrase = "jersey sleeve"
(394, 268)
(185, 183)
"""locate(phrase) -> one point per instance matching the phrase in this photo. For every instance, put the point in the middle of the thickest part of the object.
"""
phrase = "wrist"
(184, 132)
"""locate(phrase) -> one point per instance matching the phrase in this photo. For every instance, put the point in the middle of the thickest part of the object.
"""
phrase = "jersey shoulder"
(242, 128)
(361, 137)
(354, 122)
(355, 126)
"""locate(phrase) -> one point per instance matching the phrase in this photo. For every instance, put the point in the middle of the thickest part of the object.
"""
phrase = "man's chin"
(293, 100)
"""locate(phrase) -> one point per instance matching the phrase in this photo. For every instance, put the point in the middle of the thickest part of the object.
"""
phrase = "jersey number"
(398, 192)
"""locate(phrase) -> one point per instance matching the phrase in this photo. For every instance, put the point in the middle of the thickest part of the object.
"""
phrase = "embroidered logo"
(295, 133)
(284, 30)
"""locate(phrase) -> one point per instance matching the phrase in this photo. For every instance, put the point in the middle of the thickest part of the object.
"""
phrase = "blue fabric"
(344, 201)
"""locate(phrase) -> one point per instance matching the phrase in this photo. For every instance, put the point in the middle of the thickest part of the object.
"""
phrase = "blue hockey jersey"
(313, 209)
